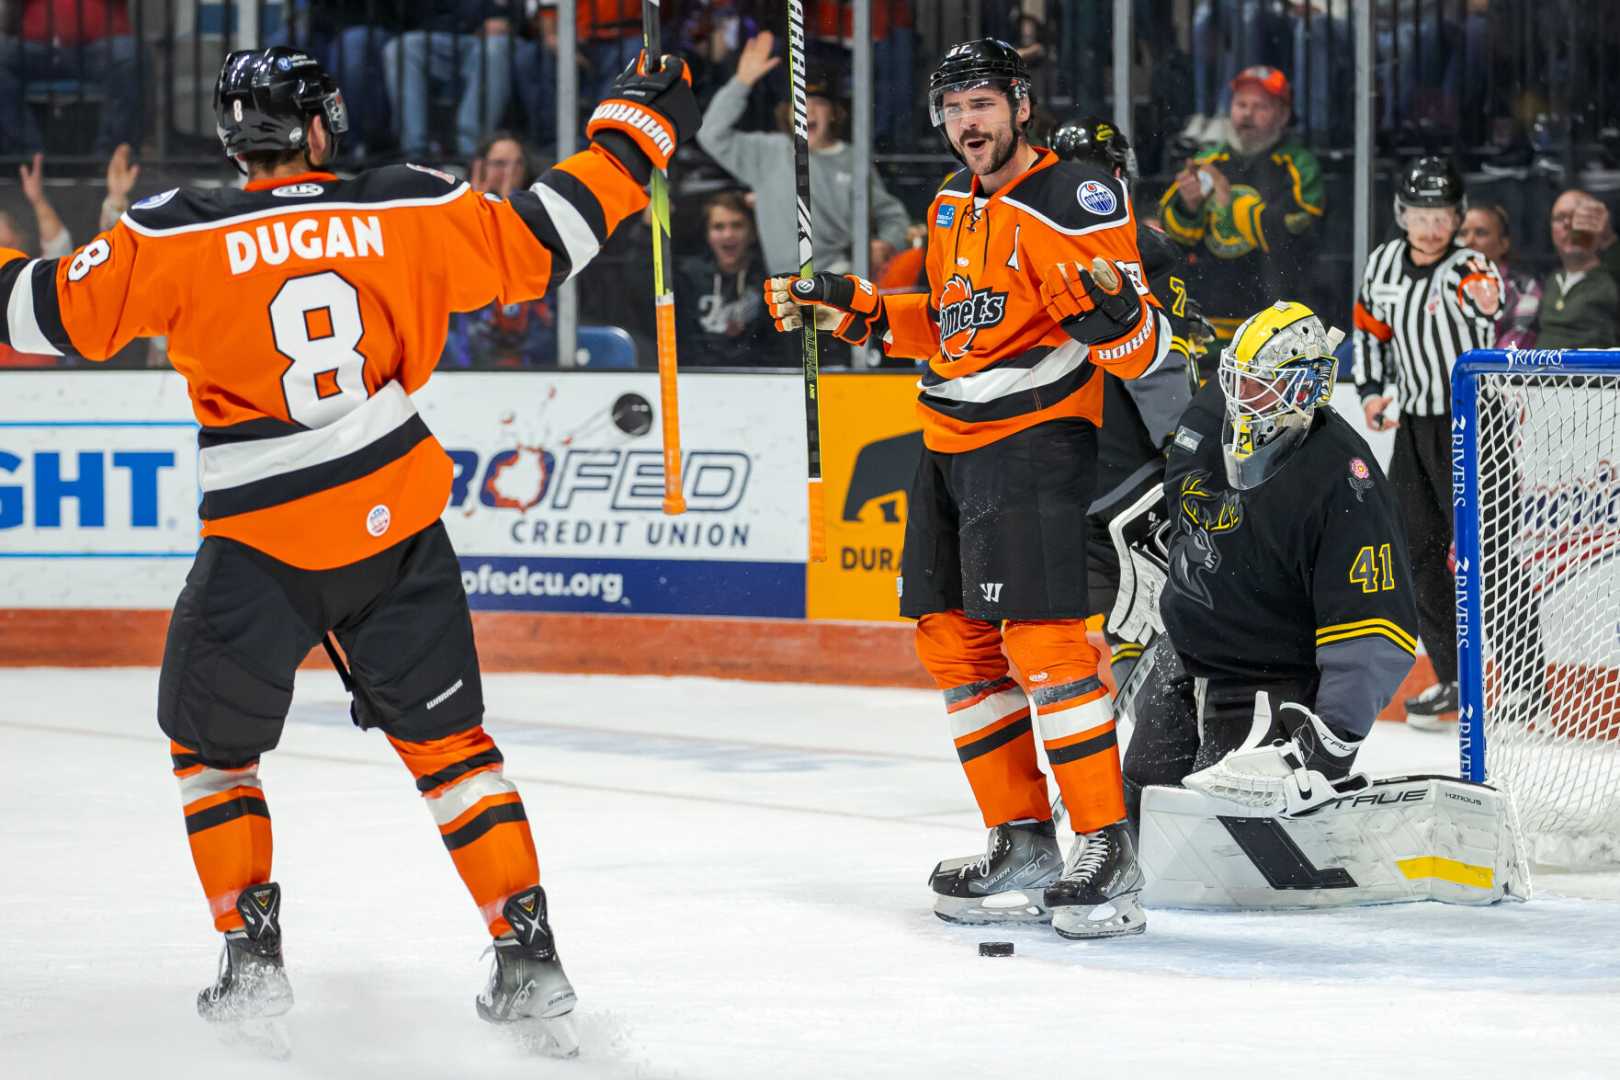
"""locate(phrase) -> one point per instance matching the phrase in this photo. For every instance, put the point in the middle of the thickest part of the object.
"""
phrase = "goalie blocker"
(1393, 840)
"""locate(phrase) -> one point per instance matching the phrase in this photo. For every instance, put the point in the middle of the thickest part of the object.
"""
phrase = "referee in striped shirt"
(1424, 301)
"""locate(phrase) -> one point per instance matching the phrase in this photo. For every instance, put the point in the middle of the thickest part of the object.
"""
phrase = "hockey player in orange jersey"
(1035, 284)
(303, 311)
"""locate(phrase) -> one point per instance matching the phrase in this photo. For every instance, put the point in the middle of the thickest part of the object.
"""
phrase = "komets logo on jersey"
(963, 312)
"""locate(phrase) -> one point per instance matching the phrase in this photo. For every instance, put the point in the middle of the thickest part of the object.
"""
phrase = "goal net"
(1536, 490)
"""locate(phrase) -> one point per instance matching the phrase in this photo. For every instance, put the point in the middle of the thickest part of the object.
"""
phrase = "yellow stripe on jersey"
(1329, 635)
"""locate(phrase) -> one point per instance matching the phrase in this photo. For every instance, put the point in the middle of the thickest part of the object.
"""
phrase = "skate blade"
(261, 1037)
(1443, 722)
(553, 1037)
(1018, 907)
(1120, 917)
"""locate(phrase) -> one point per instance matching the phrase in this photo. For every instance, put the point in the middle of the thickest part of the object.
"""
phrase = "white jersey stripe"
(26, 335)
(998, 382)
(231, 465)
(578, 240)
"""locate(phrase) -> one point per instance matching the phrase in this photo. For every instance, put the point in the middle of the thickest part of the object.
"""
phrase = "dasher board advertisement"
(556, 503)
(558, 492)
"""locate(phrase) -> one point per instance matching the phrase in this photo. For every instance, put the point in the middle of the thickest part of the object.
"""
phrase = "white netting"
(1549, 553)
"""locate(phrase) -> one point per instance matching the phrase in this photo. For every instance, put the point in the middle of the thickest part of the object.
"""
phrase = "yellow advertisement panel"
(870, 443)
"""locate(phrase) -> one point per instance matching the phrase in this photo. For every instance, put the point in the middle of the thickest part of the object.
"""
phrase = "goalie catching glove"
(1092, 306)
(646, 116)
(847, 305)
(1287, 766)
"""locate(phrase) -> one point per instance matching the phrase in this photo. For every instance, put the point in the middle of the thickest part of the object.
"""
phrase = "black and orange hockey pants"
(241, 627)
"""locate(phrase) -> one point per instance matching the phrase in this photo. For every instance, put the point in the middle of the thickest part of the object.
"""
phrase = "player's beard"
(1003, 144)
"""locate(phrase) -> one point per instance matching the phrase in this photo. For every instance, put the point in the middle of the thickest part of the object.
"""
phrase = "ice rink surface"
(737, 880)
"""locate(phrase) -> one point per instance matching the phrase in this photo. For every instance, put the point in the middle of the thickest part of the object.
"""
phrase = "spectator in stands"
(1580, 304)
(610, 37)
(764, 162)
(894, 90)
(1486, 229)
(709, 36)
(1227, 35)
(348, 37)
(121, 177)
(719, 293)
(465, 45)
(1249, 207)
(534, 72)
(85, 43)
(54, 242)
(520, 335)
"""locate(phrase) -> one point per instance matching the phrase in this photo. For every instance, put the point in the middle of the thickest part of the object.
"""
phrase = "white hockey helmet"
(1277, 371)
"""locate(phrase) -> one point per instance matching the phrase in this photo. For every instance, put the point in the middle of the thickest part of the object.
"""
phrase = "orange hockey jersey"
(303, 312)
(997, 362)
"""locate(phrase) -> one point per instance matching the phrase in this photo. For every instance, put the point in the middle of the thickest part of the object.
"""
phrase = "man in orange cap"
(1249, 207)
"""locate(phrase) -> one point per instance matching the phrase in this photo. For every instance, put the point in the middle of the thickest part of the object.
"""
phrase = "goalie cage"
(1535, 479)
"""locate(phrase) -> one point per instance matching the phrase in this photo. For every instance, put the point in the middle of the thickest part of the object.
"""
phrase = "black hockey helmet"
(1093, 139)
(264, 97)
(985, 61)
(1429, 182)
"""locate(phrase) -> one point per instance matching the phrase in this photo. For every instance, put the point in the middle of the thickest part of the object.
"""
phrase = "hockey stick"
(663, 293)
(812, 359)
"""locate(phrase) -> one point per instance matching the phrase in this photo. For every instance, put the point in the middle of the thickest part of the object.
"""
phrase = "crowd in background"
(471, 85)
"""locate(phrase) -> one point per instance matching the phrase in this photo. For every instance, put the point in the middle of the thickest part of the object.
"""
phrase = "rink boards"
(555, 504)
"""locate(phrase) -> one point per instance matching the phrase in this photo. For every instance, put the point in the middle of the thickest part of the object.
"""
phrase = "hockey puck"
(995, 948)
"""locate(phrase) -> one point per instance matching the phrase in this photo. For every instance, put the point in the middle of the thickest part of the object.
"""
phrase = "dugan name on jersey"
(306, 238)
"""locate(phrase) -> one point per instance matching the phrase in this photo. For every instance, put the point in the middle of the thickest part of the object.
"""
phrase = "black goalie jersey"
(1303, 579)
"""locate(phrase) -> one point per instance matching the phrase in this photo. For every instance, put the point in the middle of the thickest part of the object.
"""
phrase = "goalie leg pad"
(1158, 699)
(1398, 839)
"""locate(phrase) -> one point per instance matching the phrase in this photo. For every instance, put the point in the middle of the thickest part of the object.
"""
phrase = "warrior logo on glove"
(963, 311)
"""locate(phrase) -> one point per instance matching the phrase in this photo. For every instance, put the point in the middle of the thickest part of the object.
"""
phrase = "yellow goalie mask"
(1277, 371)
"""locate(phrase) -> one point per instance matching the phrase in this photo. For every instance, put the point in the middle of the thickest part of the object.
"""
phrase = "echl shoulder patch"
(152, 202)
(441, 174)
(1188, 439)
(946, 215)
(1360, 479)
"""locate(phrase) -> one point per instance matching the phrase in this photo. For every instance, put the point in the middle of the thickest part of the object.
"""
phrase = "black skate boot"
(252, 981)
(1004, 884)
(527, 983)
(1098, 894)
(1433, 710)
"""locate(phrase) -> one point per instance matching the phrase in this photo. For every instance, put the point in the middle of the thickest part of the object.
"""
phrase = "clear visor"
(1429, 218)
(967, 104)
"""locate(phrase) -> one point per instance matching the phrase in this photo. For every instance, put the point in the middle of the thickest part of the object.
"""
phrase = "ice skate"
(1433, 710)
(527, 987)
(1004, 884)
(252, 988)
(1098, 894)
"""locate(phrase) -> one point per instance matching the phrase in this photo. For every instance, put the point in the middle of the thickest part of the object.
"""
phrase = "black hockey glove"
(847, 305)
(646, 116)
(1093, 306)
